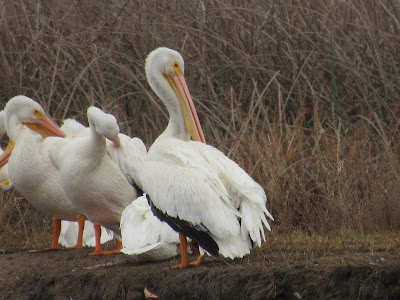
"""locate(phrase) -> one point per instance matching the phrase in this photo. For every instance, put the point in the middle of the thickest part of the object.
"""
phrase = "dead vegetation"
(303, 95)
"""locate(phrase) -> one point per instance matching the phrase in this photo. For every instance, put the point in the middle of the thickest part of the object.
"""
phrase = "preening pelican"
(128, 157)
(194, 187)
(29, 166)
(91, 179)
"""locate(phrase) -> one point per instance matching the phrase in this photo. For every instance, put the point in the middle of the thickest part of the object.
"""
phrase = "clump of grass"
(303, 95)
(22, 226)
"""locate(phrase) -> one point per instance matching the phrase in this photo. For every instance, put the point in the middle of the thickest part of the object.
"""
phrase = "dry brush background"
(304, 95)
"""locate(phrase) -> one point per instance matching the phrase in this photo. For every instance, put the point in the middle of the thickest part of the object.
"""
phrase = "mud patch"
(72, 274)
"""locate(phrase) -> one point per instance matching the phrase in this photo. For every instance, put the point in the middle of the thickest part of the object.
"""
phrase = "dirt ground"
(73, 274)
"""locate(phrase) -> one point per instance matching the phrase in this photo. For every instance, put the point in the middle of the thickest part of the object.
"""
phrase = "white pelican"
(144, 236)
(29, 166)
(194, 187)
(128, 157)
(93, 181)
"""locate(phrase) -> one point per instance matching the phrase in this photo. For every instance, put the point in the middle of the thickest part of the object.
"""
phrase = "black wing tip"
(135, 186)
(199, 236)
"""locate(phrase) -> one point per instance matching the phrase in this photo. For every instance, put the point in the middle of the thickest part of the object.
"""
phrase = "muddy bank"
(72, 274)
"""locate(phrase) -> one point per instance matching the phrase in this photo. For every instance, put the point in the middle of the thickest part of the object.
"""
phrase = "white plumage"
(144, 236)
(128, 157)
(29, 165)
(209, 190)
(193, 182)
(30, 168)
(89, 176)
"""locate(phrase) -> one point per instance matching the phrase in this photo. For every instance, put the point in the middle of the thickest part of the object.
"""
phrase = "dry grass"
(303, 94)
(342, 241)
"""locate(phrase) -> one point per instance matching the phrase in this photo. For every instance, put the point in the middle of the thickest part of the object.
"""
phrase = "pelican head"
(165, 74)
(21, 110)
(104, 124)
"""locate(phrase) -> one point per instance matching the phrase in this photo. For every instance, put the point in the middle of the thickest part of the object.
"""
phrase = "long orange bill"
(6, 154)
(45, 128)
(182, 86)
(192, 122)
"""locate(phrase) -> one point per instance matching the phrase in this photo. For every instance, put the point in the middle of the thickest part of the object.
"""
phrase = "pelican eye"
(176, 67)
(37, 113)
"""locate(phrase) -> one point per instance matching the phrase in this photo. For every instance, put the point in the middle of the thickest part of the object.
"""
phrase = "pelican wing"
(247, 195)
(129, 157)
(52, 146)
(183, 186)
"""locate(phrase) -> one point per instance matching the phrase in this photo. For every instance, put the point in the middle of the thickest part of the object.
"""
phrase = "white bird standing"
(93, 181)
(128, 157)
(29, 165)
(194, 187)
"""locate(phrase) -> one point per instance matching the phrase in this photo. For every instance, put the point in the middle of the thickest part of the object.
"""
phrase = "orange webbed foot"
(195, 263)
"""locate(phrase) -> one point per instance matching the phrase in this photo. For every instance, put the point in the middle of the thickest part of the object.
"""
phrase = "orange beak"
(45, 128)
(192, 122)
(6, 154)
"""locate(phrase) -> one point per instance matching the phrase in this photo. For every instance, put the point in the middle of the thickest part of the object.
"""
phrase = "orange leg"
(198, 261)
(56, 234)
(184, 259)
(98, 250)
(81, 222)
(97, 232)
